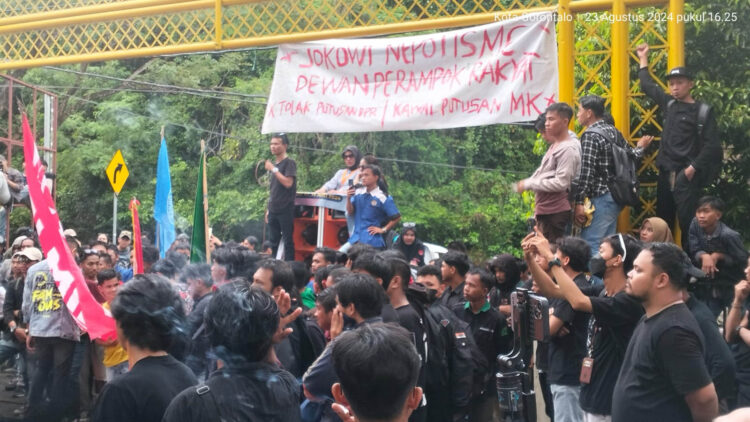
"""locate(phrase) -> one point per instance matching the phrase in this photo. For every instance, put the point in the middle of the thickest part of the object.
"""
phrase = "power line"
(114, 90)
(299, 147)
(158, 85)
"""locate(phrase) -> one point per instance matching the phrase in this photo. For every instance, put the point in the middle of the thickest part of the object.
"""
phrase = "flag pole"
(157, 235)
(205, 204)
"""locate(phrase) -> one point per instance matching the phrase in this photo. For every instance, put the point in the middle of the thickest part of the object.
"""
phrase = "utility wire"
(299, 147)
(115, 90)
(158, 85)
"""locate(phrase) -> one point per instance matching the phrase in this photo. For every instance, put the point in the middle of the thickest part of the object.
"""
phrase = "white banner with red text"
(503, 72)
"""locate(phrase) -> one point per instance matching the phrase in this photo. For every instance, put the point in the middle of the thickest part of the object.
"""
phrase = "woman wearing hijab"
(655, 229)
(339, 183)
(412, 248)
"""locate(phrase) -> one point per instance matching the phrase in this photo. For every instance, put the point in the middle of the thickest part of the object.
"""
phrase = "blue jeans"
(566, 406)
(3, 224)
(604, 222)
(54, 386)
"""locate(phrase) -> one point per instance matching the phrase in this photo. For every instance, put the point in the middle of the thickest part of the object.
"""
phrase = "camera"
(515, 379)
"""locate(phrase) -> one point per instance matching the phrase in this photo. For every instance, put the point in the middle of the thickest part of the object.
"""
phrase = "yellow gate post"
(565, 53)
(620, 73)
(676, 57)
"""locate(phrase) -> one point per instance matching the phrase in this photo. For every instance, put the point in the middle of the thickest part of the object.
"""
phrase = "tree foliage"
(453, 183)
(718, 50)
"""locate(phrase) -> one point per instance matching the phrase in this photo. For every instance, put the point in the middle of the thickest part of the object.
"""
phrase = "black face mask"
(597, 266)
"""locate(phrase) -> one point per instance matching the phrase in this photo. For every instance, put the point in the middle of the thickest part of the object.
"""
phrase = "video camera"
(515, 378)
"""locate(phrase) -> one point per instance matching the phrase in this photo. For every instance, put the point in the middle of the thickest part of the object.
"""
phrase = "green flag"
(199, 237)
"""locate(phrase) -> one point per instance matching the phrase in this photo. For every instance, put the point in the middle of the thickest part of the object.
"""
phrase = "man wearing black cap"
(690, 153)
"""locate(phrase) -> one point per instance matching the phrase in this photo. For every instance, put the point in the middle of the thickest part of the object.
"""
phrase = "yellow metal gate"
(596, 39)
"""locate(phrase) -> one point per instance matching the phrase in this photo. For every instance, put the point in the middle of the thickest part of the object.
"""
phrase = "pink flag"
(137, 246)
(87, 312)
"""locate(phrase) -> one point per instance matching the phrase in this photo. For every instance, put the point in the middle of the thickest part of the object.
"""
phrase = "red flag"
(87, 312)
(137, 247)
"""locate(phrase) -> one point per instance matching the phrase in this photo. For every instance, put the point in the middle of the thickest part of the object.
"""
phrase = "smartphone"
(530, 224)
(350, 182)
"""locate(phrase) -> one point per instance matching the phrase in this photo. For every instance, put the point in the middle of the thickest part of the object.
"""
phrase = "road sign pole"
(114, 220)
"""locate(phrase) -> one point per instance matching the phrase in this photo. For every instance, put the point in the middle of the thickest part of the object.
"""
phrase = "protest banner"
(503, 72)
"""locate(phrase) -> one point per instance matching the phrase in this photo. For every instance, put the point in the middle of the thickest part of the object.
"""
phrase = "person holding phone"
(614, 313)
(373, 210)
(345, 177)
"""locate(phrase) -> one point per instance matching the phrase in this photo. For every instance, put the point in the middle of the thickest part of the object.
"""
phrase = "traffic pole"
(114, 220)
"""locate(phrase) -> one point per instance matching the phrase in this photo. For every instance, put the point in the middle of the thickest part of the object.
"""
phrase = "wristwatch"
(275, 170)
(551, 263)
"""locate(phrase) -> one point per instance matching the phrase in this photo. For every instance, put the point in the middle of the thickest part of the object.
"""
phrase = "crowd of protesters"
(640, 328)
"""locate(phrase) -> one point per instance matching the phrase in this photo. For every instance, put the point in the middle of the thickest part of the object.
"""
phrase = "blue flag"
(163, 208)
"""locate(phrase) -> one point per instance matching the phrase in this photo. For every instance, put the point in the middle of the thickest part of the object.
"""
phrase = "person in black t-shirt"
(295, 352)
(242, 323)
(149, 313)
(491, 334)
(719, 359)
(541, 359)
(408, 317)
(568, 332)
(360, 299)
(453, 270)
(664, 375)
(386, 391)
(376, 266)
(737, 334)
(283, 188)
(614, 313)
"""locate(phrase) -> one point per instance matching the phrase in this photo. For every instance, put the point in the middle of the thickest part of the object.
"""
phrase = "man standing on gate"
(551, 181)
(283, 189)
(690, 154)
(597, 168)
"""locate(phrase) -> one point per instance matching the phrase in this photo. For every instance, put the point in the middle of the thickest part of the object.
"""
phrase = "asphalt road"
(8, 403)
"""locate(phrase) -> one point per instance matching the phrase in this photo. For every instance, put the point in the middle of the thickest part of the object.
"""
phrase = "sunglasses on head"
(88, 252)
(622, 246)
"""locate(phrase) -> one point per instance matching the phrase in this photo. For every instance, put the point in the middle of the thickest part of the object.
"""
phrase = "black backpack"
(623, 183)
(455, 368)
(701, 119)
(703, 110)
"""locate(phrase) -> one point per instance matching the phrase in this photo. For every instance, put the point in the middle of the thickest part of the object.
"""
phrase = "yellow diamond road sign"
(117, 172)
